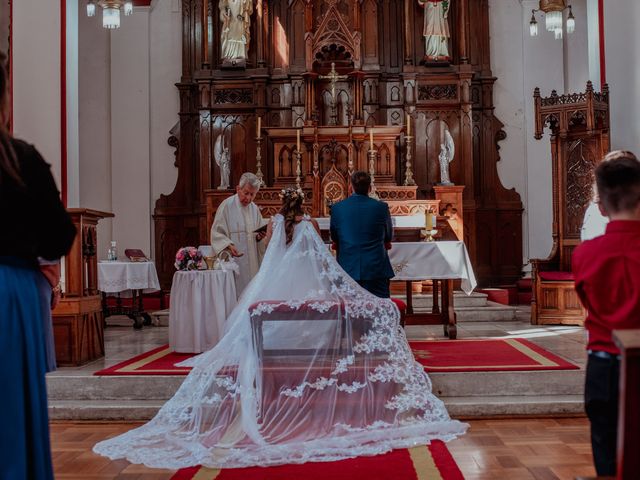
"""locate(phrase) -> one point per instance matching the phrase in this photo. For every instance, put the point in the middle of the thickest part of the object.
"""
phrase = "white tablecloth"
(413, 261)
(114, 277)
(200, 303)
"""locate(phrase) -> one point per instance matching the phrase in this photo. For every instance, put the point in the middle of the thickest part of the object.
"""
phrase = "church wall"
(623, 72)
(165, 68)
(521, 63)
(36, 78)
(128, 105)
(94, 116)
(130, 168)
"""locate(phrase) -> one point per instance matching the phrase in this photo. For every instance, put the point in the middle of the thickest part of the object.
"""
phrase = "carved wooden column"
(205, 34)
(358, 97)
(260, 40)
(408, 38)
(310, 96)
(463, 33)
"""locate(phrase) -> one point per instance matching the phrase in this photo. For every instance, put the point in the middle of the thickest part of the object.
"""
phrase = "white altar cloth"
(399, 221)
(414, 261)
(122, 277)
(201, 300)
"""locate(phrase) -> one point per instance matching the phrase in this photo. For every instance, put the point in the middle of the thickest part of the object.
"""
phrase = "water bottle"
(112, 253)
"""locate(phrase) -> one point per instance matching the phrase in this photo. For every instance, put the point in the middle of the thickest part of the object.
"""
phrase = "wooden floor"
(541, 449)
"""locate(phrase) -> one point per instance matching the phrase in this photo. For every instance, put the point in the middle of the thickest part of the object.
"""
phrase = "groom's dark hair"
(361, 182)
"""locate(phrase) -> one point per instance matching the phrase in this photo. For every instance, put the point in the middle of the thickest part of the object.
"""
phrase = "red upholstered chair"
(402, 307)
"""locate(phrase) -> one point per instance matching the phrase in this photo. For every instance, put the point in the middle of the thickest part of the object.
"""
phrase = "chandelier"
(553, 16)
(110, 11)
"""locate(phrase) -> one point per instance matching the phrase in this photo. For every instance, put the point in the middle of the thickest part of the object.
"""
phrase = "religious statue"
(235, 36)
(333, 77)
(436, 29)
(223, 159)
(447, 151)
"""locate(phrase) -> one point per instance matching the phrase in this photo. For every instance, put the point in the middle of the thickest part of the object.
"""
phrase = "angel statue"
(235, 16)
(436, 29)
(447, 151)
(223, 159)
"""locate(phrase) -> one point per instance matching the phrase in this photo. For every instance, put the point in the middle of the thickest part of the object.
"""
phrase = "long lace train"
(311, 368)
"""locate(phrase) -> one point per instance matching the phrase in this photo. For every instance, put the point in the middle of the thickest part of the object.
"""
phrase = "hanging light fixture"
(110, 11)
(91, 9)
(533, 24)
(553, 11)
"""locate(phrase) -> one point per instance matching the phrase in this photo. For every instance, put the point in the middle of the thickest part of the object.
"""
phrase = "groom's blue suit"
(360, 227)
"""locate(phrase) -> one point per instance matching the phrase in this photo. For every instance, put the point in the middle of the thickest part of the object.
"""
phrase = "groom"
(360, 227)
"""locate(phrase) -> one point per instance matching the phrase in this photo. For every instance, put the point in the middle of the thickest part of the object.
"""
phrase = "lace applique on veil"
(312, 368)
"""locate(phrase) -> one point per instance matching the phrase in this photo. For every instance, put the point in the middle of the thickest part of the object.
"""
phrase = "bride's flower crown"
(291, 193)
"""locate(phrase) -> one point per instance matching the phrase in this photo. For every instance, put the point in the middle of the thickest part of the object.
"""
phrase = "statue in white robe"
(234, 228)
(436, 29)
(236, 23)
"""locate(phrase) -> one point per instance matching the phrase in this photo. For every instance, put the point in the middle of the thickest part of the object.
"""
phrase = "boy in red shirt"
(606, 270)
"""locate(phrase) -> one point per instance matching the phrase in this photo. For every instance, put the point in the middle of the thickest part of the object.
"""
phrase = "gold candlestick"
(408, 174)
(259, 158)
(298, 167)
(372, 172)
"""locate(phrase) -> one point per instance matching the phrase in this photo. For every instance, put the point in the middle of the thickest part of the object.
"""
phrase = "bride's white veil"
(311, 368)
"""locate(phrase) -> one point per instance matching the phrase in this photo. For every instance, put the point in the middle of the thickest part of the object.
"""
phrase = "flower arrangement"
(291, 192)
(189, 258)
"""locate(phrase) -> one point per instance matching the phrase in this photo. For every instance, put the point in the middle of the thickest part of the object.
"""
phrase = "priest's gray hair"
(249, 178)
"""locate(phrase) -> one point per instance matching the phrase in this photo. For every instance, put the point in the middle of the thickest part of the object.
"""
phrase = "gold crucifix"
(333, 77)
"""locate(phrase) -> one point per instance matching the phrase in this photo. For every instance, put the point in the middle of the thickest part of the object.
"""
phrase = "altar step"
(468, 394)
(469, 308)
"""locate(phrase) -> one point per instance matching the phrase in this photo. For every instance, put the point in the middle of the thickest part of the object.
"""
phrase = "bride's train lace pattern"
(312, 368)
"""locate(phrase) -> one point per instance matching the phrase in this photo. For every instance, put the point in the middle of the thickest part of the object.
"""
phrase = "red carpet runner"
(433, 462)
(482, 355)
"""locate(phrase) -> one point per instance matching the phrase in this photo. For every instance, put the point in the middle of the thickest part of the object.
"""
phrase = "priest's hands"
(234, 251)
(260, 235)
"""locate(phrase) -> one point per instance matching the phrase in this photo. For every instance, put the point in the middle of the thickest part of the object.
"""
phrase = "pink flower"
(180, 255)
(192, 251)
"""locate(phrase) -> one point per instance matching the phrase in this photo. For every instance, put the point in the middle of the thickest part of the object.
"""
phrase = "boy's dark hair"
(361, 182)
(618, 181)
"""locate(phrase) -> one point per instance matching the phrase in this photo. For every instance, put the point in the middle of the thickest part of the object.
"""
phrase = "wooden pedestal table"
(127, 279)
(441, 262)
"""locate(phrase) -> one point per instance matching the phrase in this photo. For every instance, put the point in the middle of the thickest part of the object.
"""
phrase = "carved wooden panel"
(581, 163)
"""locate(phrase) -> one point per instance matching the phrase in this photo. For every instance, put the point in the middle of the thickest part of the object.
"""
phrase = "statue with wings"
(447, 151)
(223, 159)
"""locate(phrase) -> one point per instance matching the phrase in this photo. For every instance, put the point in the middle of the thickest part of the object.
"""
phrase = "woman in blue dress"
(33, 224)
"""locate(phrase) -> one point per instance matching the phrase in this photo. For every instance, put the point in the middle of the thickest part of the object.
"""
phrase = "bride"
(312, 368)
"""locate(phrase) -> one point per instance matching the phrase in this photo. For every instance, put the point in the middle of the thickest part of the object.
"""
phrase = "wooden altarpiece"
(376, 52)
(579, 125)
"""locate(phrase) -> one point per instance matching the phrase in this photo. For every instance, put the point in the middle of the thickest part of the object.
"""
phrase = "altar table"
(201, 300)
(441, 262)
(127, 279)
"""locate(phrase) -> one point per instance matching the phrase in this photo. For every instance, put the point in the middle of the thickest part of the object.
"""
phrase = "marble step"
(458, 407)
(460, 299)
(160, 318)
(449, 384)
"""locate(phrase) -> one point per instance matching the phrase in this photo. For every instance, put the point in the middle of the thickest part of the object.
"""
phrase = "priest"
(234, 227)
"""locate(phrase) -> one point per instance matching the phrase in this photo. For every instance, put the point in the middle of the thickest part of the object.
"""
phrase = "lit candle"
(408, 124)
(371, 139)
(259, 125)
(298, 139)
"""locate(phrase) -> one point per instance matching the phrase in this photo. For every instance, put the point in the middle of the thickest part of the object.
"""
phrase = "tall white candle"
(371, 139)
(408, 124)
(298, 139)
(259, 125)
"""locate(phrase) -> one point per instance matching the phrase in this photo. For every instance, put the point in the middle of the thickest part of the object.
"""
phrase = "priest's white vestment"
(235, 224)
